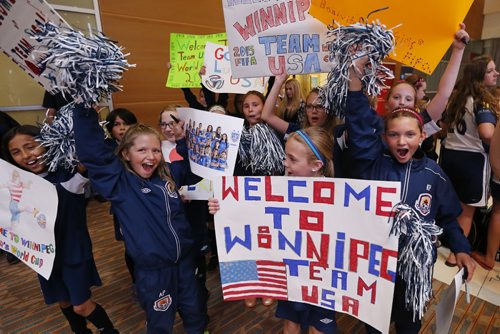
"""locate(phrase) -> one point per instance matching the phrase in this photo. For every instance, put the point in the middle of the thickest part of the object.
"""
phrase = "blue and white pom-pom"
(348, 43)
(261, 150)
(59, 141)
(416, 256)
(86, 67)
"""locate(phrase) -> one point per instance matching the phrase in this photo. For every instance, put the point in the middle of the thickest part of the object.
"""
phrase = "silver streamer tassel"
(348, 43)
(87, 68)
(261, 150)
(416, 256)
(59, 141)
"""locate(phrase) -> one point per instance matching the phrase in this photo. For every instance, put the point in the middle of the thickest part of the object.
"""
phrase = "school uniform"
(464, 156)
(154, 227)
(74, 271)
(424, 187)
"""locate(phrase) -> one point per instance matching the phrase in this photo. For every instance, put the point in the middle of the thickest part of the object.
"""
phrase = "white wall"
(491, 24)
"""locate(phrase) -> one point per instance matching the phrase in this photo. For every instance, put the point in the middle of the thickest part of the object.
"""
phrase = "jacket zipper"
(169, 222)
(406, 182)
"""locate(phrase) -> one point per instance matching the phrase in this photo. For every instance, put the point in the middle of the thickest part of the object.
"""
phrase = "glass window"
(79, 21)
(74, 3)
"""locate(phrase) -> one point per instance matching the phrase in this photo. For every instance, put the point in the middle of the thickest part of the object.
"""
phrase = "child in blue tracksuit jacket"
(425, 188)
(143, 192)
(74, 271)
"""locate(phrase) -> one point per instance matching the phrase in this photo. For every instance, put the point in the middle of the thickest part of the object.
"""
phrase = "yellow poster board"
(186, 58)
(426, 31)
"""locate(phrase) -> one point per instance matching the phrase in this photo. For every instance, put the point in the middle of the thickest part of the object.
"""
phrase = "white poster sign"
(219, 77)
(268, 37)
(27, 219)
(447, 304)
(324, 242)
(19, 20)
(201, 191)
(212, 141)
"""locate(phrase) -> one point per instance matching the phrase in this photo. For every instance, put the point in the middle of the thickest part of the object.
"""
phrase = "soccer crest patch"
(235, 135)
(162, 304)
(423, 204)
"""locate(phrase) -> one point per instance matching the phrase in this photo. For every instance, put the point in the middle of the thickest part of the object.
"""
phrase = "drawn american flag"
(249, 278)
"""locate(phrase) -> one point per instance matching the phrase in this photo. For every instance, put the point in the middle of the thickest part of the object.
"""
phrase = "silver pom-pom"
(348, 43)
(416, 256)
(261, 150)
(59, 141)
(87, 68)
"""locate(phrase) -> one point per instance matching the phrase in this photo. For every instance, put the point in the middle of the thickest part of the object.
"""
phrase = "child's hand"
(81, 168)
(280, 78)
(213, 206)
(461, 38)
(178, 129)
(464, 260)
(184, 200)
(203, 70)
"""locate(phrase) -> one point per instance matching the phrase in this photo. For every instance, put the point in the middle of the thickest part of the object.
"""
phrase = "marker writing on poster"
(272, 16)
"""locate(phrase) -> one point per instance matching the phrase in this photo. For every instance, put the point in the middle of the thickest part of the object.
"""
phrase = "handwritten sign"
(212, 141)
(266, 38)
(327, 240)
(219, 77)
(421, 40)
(186, 58)
(27, 219)
(201, 191)
(18, 21)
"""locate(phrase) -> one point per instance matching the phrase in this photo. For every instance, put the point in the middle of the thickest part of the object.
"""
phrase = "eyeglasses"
(163, 125)
(318, 107)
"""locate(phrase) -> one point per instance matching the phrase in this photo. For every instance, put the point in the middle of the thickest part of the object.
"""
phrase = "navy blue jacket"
(424, 186)
(71, 234)
(152, 218)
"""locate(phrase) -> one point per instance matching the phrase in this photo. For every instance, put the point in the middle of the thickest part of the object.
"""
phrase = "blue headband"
(311, 145)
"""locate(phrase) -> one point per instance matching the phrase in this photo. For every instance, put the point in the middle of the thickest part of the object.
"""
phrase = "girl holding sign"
(429, 206)
(308, 154)
(144, 195)
(316, 114)
(260, 152)
(74, 271)
(196, 210)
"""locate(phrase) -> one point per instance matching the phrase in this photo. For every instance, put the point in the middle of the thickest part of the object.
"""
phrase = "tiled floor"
(485, 284)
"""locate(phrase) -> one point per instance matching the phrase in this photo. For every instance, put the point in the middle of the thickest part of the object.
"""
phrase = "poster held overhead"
(421, 40)
(265, 38)
(219, 77)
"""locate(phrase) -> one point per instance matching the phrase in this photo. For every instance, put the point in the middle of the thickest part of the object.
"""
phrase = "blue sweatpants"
(162, 292)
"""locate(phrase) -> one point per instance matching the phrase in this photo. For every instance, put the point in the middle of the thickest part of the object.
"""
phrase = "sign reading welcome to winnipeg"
(319, 241)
